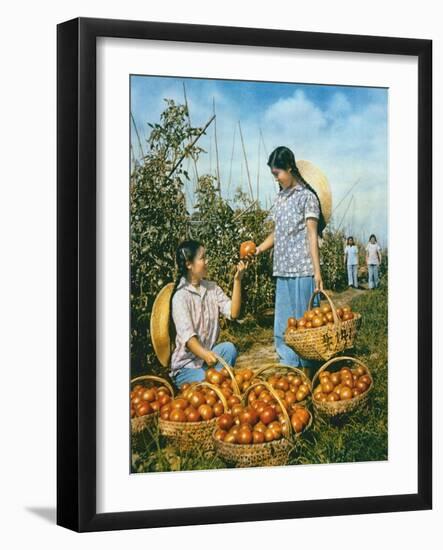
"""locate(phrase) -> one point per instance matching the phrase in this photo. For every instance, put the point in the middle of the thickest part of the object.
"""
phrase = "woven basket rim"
(153, 378)
(336, 404)
(182, 424)
(249, 446)
(323, 327)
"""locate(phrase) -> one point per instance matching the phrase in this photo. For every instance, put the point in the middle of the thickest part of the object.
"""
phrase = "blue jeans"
(292, 296)
(352, 275)
(373, 275)
(226, 350)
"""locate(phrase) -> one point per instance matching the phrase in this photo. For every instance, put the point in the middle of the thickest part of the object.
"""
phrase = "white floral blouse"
(196, 313)
(289, 212)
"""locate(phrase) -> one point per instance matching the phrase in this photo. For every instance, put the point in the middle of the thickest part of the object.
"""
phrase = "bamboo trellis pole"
(347, 208)
(246, 161)
(190, 124)
(346, 194)
(216, 148)
(258, 172)
(266, 151)
(138, 135)
(232, 159)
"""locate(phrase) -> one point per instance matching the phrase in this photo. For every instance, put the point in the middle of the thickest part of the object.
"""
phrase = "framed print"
(244, 274)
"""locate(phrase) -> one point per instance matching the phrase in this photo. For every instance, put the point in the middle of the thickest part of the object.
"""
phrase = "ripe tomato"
(247, 248)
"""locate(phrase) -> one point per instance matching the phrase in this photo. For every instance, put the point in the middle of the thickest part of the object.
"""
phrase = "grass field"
(357, 438)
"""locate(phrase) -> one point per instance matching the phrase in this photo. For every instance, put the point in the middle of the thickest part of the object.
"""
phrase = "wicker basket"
(322, 343)
(336, 408)
(294, 370)
(191, 436)
(148, 421)
(271, 453)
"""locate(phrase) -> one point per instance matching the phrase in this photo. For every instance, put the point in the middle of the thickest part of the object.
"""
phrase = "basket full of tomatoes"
(324, 331)
(189, 419)
(341, 391)
(148, 394)
(259, 432)
(291, 383)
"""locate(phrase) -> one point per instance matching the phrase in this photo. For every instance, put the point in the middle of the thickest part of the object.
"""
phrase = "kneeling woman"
(196, 305)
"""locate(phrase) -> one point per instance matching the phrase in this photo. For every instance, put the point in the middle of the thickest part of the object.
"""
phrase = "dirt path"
(262, 353)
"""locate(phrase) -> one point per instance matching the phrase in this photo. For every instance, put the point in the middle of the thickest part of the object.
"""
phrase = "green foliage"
(333, 269)
(214, 225)
(159, 220)
(222, 229)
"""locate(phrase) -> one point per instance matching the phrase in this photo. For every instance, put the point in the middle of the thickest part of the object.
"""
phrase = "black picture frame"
(76, 273)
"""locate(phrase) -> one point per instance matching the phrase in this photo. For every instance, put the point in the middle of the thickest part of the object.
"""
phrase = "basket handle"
(217, 391)
(231, 374)
(277, 398)
(331, 303)
(337, 360)
(281, 366)
(153, 379)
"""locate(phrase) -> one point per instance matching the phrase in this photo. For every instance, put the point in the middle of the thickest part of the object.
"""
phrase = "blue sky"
(341, 129)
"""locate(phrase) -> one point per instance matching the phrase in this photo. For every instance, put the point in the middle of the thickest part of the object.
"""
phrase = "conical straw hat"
(318, 181)
(160, 324)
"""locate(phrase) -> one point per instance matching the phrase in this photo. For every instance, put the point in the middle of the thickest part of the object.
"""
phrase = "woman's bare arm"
(311, 224)
(267, 243)
(236, 291)
(194, 345)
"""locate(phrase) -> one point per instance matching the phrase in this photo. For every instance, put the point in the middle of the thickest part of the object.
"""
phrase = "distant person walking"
(373, 260)
(351, 261)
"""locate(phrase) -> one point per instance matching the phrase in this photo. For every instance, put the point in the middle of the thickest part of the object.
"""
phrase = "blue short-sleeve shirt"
(292, 207)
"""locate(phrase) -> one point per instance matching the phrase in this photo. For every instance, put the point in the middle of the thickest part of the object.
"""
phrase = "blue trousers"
(372, 275)
(226, 350)
(292, 296)
(352, 275)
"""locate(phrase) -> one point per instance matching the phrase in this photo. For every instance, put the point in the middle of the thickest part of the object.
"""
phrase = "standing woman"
(298, 221)
(373, 260)
(351, 261)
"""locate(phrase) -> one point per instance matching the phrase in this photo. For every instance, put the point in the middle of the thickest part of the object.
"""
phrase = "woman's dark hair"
(186, 251)
(373, 236)
(283, 159)
(350, 237)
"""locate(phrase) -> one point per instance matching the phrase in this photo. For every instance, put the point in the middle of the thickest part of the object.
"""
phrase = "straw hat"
(160, 324)
(318, 181)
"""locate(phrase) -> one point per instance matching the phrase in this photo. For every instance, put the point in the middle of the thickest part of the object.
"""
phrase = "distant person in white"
(351, 261)
(373, 259)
